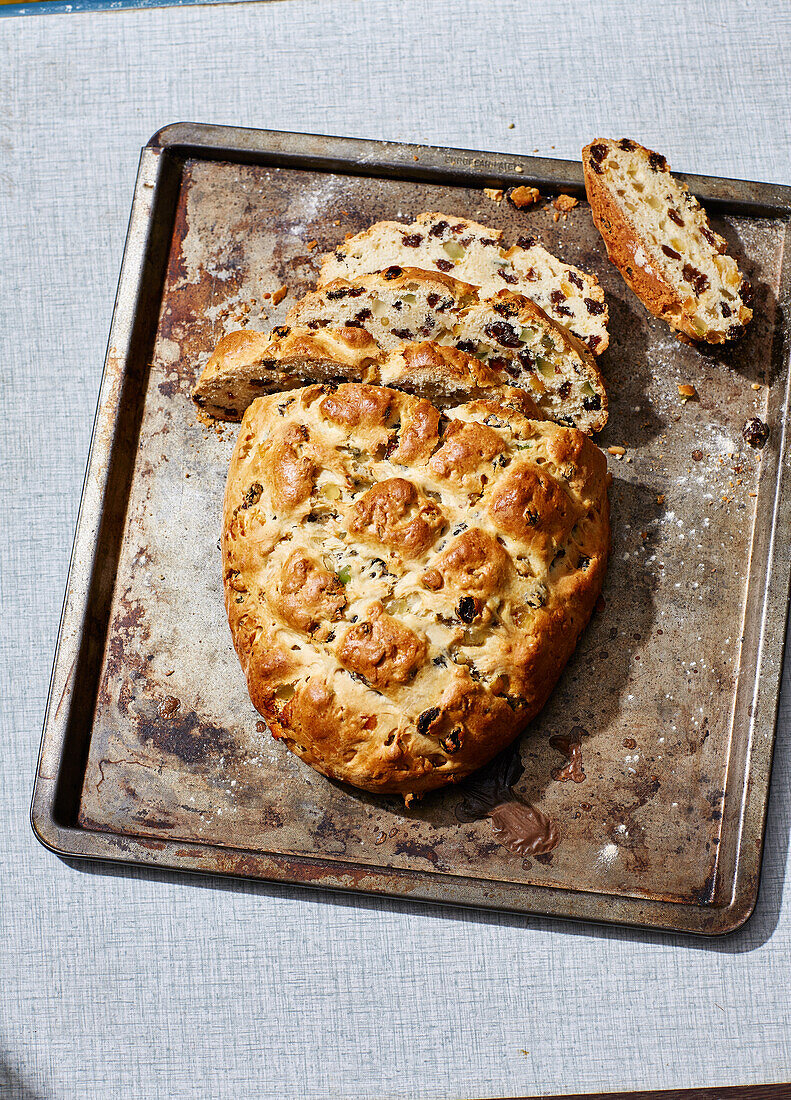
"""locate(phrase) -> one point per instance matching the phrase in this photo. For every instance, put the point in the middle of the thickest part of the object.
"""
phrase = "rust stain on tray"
(177, 750)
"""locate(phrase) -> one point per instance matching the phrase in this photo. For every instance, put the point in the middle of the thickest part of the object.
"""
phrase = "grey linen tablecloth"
(120, 984)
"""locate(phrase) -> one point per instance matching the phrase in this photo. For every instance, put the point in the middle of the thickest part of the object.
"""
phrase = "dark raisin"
(438, 229)
(755, 432)
(564, 311)
(565, 389)
(592, 404)
(557, 297)
(506, 309)
(598, 152)
(584, 562)
(489, 242)
(439, 661)
(458, 228)
(353, 323)
(594, 307)
(465, 241)
(725, 309)
(392, 272)
(398, 305)
(592, 342)
(576, 279)
(452, 743)
(746, 292)
(499, 362)
(675, 216)
(340, 256)
(466, 609)
(467, 346)
(561, 553)
(525, 357)
(426, 718)
(253, 495)
(364, 315)
(336, 295)
(526, 242)
(507, 277)
(566, 421)
(698, 280)
(697, 455)
(627, 145)
(443, 265)
(281, 331)
(671, 252)
(657, 162)
(392, 444)
(432, 300)
(735, 331)
(446, 303)
(505, 335)
(412, 240)
(403, 333)
(199, 401)
(707, 233)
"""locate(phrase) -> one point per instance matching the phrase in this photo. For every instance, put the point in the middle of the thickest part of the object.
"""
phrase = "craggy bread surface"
(404, 587)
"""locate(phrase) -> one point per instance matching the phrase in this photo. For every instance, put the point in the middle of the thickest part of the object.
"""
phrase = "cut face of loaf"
(247, 365)
(659, 237)
(512, 335)
(473, 253)
(403, 304)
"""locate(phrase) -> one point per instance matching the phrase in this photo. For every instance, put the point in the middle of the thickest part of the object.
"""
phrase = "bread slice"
(395, 305)
(473, 253)
(404, 587)
(247, 365)
(658, 236)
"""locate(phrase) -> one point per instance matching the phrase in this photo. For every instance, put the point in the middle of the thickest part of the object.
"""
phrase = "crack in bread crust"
(405, 611)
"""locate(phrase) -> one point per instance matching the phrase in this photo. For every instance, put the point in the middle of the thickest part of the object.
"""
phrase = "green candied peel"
(344, 575)
(546, 368)
(587, 389)
(454, 250)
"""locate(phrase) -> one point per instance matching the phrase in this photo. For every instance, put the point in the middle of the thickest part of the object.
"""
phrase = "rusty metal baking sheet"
(152, 750)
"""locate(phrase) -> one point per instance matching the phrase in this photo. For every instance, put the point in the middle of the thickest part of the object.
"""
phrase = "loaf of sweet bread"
(659, 237)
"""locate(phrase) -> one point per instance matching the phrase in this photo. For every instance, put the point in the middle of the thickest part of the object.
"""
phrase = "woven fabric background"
(117, 984)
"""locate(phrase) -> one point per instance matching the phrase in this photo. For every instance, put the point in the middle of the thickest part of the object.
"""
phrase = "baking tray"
(152, 753)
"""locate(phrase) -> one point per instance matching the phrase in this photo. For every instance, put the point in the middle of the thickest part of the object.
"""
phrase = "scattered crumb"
(510, 125)
(260, 727)
(336, 223)
(556, 217)
(523, 196)
(348, 236)
(697, 454)
(267, 296)
(661, 498)
(564, 203)
(756, 385)
(311, 245)
(519, 169)
(619, 452)
(494, 193)
(170, 672)
(687, 391)
(279, 295)
(345, 213)
(415, 157)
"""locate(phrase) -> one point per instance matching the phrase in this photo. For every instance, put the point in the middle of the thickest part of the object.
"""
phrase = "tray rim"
(357, 156)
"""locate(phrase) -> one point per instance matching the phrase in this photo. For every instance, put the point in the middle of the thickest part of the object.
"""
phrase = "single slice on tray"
(473, 253)
(659, 237)
(246, 365)
(404, 587)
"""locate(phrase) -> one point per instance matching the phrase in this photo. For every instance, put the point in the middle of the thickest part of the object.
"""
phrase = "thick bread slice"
(404, 587)
(246, 365)
(514, 336)
(472, 253)
(658, 236)
(394, 305)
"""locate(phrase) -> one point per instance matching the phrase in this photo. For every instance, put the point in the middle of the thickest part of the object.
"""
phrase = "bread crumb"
(279, 295)
(619, 452)
(564, 203)
(494, 193)
(523, 196)
(311, 244)
(687, 391)
(756, 385)
(556, 216)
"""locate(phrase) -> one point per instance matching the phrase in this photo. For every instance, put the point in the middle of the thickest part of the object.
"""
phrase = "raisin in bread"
(246, 365)
(472, 253)
(403, 587)
(659, 237)
(395, 305)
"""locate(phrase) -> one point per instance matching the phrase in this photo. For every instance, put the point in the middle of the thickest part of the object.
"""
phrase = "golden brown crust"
(397, 618)
(660, 246)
